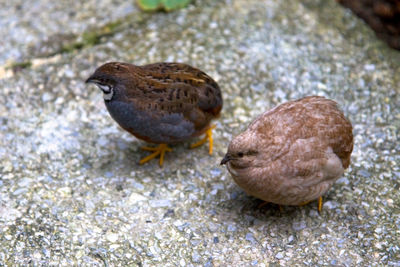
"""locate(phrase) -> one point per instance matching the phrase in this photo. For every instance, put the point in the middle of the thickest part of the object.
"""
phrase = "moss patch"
(18, 66)
(91, 38)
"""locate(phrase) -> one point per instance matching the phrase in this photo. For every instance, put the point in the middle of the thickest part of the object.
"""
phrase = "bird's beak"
(226, 159)
(91, 80)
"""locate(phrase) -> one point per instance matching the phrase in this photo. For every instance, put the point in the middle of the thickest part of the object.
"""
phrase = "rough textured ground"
(72, 192)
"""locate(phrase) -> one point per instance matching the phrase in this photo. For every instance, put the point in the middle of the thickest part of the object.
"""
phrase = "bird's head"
(242, 151)
(107, 77)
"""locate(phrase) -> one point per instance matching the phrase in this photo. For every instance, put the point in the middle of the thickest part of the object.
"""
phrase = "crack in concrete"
(86, 39)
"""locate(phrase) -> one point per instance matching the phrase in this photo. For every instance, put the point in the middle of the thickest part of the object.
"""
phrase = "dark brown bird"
(383, 16)
(293, 153)
(161, 103)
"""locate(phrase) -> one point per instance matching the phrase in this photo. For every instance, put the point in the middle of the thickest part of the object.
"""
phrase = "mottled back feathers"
(292, 153)
(305, 118)
(179, 101)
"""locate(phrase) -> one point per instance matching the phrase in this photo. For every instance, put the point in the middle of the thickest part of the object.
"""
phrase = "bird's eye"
(240, 154)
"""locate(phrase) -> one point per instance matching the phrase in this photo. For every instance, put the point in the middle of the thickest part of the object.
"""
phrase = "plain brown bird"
(293, 153)
(161, 103)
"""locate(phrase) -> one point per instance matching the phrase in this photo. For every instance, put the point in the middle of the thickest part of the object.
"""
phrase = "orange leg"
(160, 150)
(319, 204)
(207, 137)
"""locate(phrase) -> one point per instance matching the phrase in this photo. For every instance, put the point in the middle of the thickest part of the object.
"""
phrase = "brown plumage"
(293, 153)
(383, 16)
(161, 103)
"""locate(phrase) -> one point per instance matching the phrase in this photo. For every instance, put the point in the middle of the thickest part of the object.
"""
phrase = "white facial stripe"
(108, 95)
(104, 88)
(108, 91)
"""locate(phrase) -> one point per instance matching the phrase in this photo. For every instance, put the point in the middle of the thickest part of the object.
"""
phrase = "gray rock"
(73, 194)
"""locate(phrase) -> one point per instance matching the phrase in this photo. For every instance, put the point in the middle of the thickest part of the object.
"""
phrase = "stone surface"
(71, 189)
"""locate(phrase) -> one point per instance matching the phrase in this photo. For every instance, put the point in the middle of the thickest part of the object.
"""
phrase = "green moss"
(91, 38)
(112, 26)
(16, 66)
(68, 48)
(77, 42)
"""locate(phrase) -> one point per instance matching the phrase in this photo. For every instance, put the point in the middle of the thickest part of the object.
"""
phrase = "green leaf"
(149, 5)
(175, 4)
(167, 5)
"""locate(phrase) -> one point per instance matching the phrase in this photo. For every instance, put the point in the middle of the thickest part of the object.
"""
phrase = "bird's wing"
(305, 119)
(173, 88)
(189, 81)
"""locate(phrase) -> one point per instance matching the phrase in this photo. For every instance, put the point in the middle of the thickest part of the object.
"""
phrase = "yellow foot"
(319, 203)
(160, 150)
(207, 137)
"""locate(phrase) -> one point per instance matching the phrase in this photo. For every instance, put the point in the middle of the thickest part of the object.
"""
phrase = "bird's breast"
(168, 128)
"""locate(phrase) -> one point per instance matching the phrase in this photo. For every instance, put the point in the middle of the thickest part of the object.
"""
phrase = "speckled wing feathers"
(161, 103)
(167, 88)
(314, 116)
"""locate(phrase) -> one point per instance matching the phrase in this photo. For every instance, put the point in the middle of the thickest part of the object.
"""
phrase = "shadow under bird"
(161, 103)
(293, 153)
